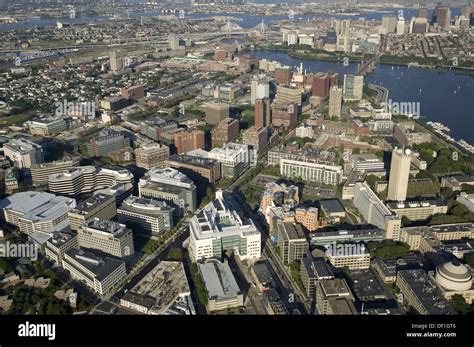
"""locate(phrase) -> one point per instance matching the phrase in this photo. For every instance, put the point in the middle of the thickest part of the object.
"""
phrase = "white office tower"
(401, 26)
(399, 174)
(335, 101)
(259, 88)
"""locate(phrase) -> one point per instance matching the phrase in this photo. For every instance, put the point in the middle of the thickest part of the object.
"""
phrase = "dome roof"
(454, 270)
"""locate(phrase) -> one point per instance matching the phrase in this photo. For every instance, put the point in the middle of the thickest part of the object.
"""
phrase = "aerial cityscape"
(236, 157)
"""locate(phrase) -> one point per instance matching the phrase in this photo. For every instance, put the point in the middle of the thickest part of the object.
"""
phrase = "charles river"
(444, 95)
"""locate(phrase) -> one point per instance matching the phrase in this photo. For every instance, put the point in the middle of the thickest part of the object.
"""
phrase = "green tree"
(460, 304)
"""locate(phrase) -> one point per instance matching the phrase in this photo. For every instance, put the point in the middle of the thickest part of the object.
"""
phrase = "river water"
(243, 20)
(444, 95)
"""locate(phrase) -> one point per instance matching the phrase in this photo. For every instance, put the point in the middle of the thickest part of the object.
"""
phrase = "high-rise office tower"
(259, 89)
(389, 24)
(216, 112)
(345, 27)
(262, 113)
(335, 101)
(283, 75)
(189, 140)
(399, 174)
(423, 11)
(353, 87)
(401, 26)
(418, 25)
(117, 62)
(287, 95)
(441, 16)
(226, 131)
(322, 83)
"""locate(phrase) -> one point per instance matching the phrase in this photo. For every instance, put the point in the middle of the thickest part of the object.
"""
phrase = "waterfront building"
(353, 87)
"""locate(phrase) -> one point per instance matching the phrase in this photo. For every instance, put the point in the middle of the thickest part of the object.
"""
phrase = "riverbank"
(321, 55)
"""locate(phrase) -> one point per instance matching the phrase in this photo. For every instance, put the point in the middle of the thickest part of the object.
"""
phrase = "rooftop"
(106, 226)
(92, 203)
(336, 287)
(262, 272)
(317, 268)
(426, 292)
(160, 288)
(37, 205)
(365, 285)
(217, 220)
(167, 176)
(192, 160)
(100, 266)
(332, 206)
(219, 280)
(61, 238)
(142, 203)
(22, 145)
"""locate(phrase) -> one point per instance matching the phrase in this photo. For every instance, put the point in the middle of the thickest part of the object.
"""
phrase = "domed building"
(454, 276)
